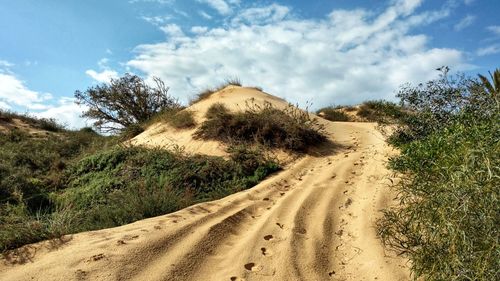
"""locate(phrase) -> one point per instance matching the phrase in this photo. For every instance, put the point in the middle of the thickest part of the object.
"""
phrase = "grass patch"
(290, 129)
(333, 114)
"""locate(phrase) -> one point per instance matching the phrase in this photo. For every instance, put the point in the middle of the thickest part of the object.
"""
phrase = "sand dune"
(312, 221)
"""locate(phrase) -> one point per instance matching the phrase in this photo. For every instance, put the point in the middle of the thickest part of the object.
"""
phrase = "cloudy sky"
(325, 51)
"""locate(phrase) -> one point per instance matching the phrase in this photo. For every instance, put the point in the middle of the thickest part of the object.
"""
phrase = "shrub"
(380, 111)
(290, 128)
(333, 114)
(448, 216)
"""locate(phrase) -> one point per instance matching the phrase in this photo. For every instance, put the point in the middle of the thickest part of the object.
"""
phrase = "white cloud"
(465, 22)
(14, 92)
(163, 2)
(494, 28)
(172, 30)
(5, 64)
(490, 50)
(104, 76)
(262, 15)
(347, 57)
(219, 5)
(157, 20)
(205, 15)
(66, 112)
(15, 95)
(199, 29)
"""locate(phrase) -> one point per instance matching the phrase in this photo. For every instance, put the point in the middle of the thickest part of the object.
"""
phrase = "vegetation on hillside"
(381, 111)
(290, 128)
(47, 124)
(333, 113)
(448, 216)
(82, 181)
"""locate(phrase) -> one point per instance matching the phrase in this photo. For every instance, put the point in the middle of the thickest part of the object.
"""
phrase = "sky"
(325, 52)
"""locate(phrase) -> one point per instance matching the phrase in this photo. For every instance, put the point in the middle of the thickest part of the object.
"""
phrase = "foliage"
(290, 128)
(448, 216)
(381, 111)
(124, 102)
(333, 114)
(437, 103)
(31, 169)
(71, 183)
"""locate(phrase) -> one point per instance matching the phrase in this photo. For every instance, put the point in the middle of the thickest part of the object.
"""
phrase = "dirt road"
(312, 221)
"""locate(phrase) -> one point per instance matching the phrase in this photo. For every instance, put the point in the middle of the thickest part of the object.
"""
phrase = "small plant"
(289, 128)
(183, 119)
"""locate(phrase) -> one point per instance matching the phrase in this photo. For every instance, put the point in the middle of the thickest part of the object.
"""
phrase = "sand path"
(312, 221)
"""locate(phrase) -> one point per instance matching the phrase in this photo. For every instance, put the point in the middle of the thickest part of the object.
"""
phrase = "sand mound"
(312, 221)
(233, 97)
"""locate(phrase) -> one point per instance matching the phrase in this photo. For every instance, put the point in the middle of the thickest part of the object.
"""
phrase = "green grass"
(81, 181)
(290, 129)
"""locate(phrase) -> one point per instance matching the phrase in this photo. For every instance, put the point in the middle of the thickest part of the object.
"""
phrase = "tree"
(124, 102)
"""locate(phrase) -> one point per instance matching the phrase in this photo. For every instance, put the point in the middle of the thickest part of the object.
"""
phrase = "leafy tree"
(124, 102)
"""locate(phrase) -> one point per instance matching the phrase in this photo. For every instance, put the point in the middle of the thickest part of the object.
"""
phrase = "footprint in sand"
(234, 278)
(251, 266)
(280, 225)
(268, 237)
(266, 252)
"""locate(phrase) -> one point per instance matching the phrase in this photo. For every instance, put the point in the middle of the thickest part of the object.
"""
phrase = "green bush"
(448, 216)
(381, 111)
(291, 128)
(333, 114)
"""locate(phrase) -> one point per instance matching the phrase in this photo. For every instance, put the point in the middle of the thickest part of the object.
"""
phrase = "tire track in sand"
(312, 221)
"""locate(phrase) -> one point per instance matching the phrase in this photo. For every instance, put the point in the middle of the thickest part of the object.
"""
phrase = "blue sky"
(325, 52)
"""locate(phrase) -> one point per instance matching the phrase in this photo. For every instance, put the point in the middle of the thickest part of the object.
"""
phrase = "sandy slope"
(312, 221)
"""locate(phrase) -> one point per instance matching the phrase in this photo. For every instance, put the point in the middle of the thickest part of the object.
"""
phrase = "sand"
(312, 221)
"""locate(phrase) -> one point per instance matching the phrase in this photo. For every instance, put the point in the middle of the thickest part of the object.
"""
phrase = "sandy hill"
(312, 221)
(233, 97)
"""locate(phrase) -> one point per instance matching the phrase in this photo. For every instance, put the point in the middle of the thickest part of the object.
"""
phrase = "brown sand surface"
(312, 221)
